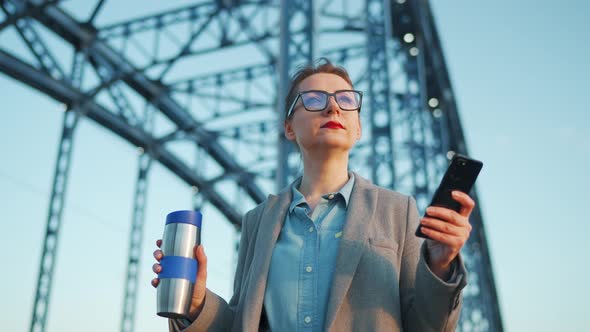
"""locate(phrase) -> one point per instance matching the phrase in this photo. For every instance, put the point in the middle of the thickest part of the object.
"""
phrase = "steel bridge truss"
(226, 117)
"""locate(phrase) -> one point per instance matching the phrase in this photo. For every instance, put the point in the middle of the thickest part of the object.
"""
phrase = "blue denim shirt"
(303, 261)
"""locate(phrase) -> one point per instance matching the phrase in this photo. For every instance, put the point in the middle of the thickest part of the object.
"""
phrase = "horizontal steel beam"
(170, 17)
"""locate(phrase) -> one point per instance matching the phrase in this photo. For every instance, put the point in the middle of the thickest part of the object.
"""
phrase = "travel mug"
(179, 266)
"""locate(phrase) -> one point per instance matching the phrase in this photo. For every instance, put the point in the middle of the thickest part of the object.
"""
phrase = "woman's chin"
(330, 145)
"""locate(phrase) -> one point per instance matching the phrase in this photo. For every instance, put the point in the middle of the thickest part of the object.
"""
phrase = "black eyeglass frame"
(328, 94)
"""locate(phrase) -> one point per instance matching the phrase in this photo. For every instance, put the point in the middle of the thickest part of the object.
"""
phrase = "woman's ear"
(289, 133)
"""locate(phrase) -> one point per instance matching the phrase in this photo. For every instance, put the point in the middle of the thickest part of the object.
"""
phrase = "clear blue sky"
(520, 73)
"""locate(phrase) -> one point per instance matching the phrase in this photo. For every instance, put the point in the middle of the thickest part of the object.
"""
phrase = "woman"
(333, 252)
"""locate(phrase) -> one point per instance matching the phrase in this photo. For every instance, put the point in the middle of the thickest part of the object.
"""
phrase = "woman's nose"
(332, 105)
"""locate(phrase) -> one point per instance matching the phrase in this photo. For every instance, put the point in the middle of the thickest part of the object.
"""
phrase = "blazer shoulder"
(253, 215)
(390, 196)
(394, 195)
(257, 209)
(251, 219)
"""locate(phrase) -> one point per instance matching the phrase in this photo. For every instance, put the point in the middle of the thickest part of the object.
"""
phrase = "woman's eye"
(314, 101)
(347, 102)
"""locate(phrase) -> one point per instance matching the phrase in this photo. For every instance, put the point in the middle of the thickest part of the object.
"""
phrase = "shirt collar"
(298, 197)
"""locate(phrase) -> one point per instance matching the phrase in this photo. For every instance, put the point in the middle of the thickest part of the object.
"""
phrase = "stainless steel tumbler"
(179, 266)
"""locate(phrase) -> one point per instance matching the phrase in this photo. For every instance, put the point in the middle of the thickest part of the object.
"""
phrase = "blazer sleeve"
(428, 303)
(217, 314)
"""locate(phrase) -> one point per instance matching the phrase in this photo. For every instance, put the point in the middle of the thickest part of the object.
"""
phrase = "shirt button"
(309, 269)
(330, 196)
(311, 229)
(307, 319)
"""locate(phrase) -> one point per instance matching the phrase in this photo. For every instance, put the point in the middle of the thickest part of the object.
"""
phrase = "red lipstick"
(333, 125)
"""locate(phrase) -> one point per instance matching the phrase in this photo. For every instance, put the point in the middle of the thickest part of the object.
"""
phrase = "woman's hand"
(448, 232)
(200, 288)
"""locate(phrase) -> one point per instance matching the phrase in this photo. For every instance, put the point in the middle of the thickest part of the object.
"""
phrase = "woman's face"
(329, 130)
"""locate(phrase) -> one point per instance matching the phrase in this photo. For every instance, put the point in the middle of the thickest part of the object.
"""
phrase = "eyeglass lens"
(318, 100)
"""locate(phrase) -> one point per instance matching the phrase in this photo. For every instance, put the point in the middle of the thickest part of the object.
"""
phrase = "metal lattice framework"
(131, 78)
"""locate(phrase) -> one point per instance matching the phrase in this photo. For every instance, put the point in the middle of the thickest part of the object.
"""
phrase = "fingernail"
(429, 209)
(455, 193)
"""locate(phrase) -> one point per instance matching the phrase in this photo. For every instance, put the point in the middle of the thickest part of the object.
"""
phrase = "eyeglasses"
(317, 100)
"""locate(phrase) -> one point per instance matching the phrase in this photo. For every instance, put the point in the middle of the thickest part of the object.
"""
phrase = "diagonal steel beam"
(65, 93)
(21, 12)
(157, 94)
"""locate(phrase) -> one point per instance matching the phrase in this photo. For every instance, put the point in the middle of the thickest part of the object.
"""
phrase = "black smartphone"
(460, 175)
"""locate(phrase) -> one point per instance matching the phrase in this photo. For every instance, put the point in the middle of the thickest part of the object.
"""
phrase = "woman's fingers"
(454, 241)
(442, 226)
(448, 230)
(451, 241)
(157, 268)
(444, 214)
(467, 204)
(202, 260)
(155, 282)
(448, 215)
(447, 224)
(200, 289)
(457, 218)
(158, 254)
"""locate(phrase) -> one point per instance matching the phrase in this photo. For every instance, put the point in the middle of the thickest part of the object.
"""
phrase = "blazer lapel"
(359, 214)
(270, 225)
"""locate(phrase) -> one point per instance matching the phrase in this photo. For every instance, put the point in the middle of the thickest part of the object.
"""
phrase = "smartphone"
(460, 175)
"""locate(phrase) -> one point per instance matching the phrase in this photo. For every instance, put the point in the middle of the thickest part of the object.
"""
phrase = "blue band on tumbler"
(178, 267)
(185, 216)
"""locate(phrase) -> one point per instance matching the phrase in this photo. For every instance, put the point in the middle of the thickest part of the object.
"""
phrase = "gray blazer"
(381, 281)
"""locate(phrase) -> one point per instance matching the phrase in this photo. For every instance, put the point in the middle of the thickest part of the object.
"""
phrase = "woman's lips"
(333, 125)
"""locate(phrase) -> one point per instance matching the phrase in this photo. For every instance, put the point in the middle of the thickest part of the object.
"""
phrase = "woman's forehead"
(324, 81)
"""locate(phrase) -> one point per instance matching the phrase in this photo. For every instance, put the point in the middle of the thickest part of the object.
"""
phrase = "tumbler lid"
(185, 216)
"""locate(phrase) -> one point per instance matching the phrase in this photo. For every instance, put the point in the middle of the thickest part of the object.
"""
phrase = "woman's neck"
(321, 176)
